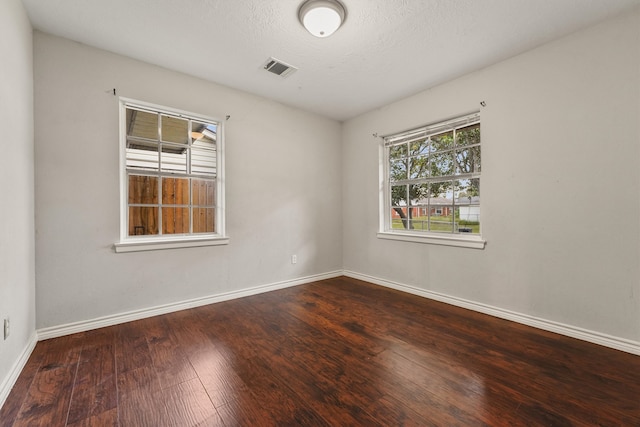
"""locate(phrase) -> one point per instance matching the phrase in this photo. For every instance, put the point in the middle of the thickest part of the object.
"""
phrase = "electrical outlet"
(7, 328)
(294, 259)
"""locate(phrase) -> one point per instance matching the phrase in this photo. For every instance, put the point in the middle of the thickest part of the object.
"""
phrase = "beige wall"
(283, 186)
(560, 185)
(17, 277)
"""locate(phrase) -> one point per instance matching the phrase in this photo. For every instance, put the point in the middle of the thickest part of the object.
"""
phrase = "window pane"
(441, 218)
(398, 170)
(399, 195)
(142, 155)
(441, 189)
(419, 194)
(419, 148)
(174, 158)
(175, 129)
(441, 164)
(441, 207)
(468, 160)
(141, 124)
(175, 220)
(203, 192)
(175, 191)
(418, 212)
(203, 220)
(468, 135)
(443, 141)
(204, 135)
(468, 203)
(468, 187)
(203, 161)
(143, 189)
(399, 218)
(398, 152)
(419, 167)
(143, 220)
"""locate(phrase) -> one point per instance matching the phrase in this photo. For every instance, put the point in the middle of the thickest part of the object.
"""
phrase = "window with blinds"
(432, 179)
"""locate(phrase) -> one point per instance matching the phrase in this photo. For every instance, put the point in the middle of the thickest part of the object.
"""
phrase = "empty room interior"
(413, 212)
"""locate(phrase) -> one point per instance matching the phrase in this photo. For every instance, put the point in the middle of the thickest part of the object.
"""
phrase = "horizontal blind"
(427, 131)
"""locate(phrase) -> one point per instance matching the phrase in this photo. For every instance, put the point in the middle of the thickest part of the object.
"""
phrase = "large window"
(171, 172)
(431, 181)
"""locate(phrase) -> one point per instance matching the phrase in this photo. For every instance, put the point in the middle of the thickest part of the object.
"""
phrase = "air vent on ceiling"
(278, 67)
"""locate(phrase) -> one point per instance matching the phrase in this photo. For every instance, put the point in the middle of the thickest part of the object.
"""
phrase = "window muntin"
(432, 179)
(171, 172)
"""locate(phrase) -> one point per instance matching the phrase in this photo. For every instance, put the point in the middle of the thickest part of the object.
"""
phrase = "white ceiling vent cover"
(278, 67)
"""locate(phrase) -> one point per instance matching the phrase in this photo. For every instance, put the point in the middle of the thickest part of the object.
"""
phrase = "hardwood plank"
(47, 400)
(104, 419)
(210, 361)
(170, 361)
(245, 410)
(268, 388)
(63, 351)
(137, 398)
(94, 390)
(450, 393)
(132, 350)
(187, 404)
(392, 412)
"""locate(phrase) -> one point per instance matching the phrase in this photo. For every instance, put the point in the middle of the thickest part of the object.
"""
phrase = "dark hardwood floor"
(338, 352)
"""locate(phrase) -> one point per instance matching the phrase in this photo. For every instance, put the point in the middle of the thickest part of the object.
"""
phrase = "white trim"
(473, 242)
(605, 340)
(152, 245)
(10, 380)
(101, 322)
(384, 217)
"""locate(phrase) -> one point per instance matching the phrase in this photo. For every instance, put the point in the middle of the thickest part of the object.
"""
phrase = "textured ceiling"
(386, 49)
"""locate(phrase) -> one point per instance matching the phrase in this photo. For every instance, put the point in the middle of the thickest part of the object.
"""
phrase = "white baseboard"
(101, 322)
(617, 343)
(9, 381)
(621, 344)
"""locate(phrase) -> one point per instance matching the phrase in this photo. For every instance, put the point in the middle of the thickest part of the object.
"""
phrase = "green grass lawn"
(438, 224)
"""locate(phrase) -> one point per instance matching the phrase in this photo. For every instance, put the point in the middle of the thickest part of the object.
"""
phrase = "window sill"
(153, 244)
(472, 242)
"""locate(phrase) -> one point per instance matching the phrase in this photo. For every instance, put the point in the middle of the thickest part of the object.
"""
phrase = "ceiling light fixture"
(322, 17)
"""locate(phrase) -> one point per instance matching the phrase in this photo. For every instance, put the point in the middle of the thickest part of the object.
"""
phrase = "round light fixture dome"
(321, 17)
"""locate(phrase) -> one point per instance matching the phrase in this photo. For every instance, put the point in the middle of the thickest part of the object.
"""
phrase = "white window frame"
(385, 230)
(155, 242)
